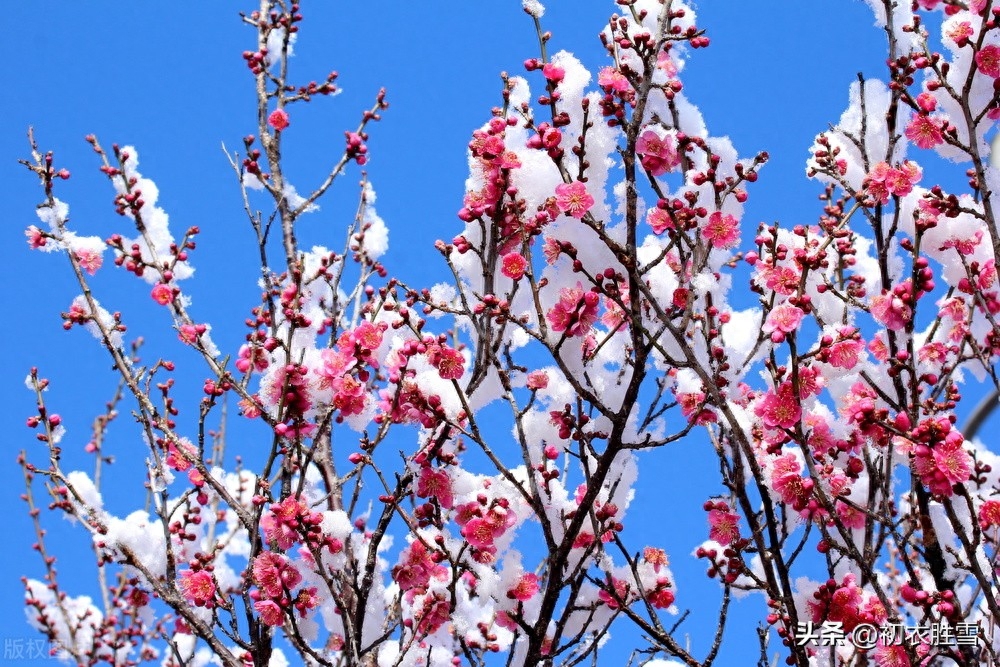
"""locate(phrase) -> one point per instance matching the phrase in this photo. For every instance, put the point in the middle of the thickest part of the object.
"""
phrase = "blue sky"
(172, 83)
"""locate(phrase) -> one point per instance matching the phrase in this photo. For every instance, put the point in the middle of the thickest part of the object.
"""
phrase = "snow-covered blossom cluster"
(600, 275)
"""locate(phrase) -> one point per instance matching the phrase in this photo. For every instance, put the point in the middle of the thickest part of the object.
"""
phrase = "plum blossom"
(284, 520)
(811, 381)
(35, 237)
(552, 249)
(847, 604)
(662, 597)
(722, 230)
(884, 181)
(538, 380)
(780, 408)
(891, 311)
(162, 294)
(942, 466)
(526, 588)
(988, 60)
(435, 613)
(270, 612)
(959, 32)
(274, 572)
(783, 319)
(189, 333)
(416, 567)
(449, 362)
(660, 220)
(925, 131)
(180, 455)
(787, 480)
(573, 198)
(724, 525)
(198, 587)
(513, 265)
(553, 72)
(665, 64)
(989, 514)
(480, 533)
(435, 482)
(657, 154)
(90, 260)
(612, 79)
(927, 102)
(278, 119)
(575, 312)
(621, 592)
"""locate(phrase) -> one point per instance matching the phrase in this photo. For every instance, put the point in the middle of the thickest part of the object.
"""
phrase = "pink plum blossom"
(162, 294)
(780, 408)
(513, 265)
(988, 60)
(198, 587)
(722, 230)
(657, 154)
(575, 312)
(278, 119)
(925, 131)
(573, 199)
(724, 526)
(783, 319)
(538, 380)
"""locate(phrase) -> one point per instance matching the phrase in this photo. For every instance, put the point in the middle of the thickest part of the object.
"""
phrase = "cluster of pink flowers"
(884, 181)
(290, 387)
(615, 593)
(575, 312)
(894, 309)
(276, 577)
(417, 565)
(939, 456)
(447, 360)
(356, 149)
(657, 154)
(435, 483)
(846, 603)
(547, 138)
(693, 406)
(787, 480)
(288, 522)
(345, 368)
(406, 403)
(653, 317)
(612, 80)
(190, 333)
(483, 522)
(661, 596)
